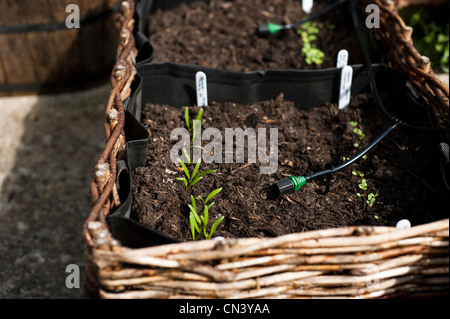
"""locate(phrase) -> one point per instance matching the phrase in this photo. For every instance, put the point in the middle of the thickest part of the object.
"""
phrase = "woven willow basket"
(350, 262)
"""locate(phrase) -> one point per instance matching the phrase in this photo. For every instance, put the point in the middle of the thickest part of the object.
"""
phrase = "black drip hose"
(355, 158)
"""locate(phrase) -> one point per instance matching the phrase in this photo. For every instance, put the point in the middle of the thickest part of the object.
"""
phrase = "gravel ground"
(48, 147)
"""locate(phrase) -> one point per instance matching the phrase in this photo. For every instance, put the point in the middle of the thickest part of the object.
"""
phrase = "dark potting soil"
(222, 34)
(308, 140)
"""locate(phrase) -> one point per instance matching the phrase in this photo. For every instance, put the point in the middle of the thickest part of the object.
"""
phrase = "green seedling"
(363, 184)
(211, 195)
(187, 120)
(431, 36)
(357, 173)
(193, 178)
(359, 132)
(189, 161)
(308, 31)
(197, 121)
(371, 198)
(198, 222)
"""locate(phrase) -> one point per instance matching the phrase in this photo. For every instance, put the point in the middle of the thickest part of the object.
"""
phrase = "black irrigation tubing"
(294, 183)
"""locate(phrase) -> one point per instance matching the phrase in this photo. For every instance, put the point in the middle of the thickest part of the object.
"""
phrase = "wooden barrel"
(40, 54)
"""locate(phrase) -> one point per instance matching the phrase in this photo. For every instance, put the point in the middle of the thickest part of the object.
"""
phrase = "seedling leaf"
(187, 156)
(212, 194)
(195, 181)
(186, 118)
(199, 114)
(194, 213)
(194, 225)
(214, 226)
(185, 169)
(206, 172)
(194, 204)
(197, 166)
(184, 180)
(205, 220)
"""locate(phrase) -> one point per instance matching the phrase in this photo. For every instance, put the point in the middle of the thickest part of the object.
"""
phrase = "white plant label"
(202, 92)
(346, 87)
(307, 5)
(403, 224)
(342, 58)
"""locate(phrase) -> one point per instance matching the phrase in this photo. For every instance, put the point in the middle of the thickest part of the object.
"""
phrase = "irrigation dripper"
(294, 183)
(270, 28)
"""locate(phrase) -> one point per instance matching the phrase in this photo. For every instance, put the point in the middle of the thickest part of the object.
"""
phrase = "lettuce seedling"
(371, 198)
(312, 54)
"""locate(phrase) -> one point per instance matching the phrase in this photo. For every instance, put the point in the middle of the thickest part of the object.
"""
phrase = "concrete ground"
(48, 147)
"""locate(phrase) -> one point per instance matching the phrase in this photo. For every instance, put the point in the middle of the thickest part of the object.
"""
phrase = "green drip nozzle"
(269, 28)
(289, 185)
(273, 27)
(298, 182)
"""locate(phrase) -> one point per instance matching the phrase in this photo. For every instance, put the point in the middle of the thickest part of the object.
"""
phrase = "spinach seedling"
(193, 178)
(195, 123)
(187, 120)
(198, 222)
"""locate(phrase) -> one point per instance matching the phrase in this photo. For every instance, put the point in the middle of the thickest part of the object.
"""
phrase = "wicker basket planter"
(353, 262)
(349, 262)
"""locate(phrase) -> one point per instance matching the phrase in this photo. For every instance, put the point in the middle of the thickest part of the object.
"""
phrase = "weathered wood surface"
(47, 57)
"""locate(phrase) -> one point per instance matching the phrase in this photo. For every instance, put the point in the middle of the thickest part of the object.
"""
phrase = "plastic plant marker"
(345, 88)
(342, 58)
(403, 224)
(202, 92)
(307, 5)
